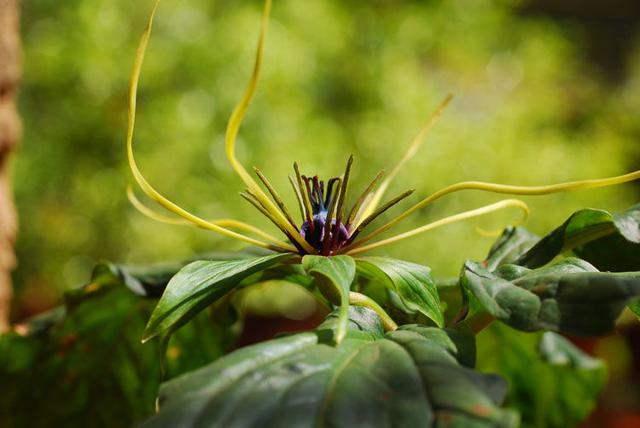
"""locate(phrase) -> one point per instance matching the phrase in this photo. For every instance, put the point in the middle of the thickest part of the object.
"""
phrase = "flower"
(325, 227)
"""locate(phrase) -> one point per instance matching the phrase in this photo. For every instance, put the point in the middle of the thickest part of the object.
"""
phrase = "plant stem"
(358, 299)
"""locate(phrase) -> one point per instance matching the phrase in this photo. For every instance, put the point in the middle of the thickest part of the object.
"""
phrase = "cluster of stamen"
(325, 225)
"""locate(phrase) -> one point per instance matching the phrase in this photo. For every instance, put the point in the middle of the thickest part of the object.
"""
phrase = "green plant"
(332, 368)
(399, 346)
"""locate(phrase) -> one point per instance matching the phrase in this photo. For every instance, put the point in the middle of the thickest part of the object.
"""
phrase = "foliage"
(358, 367)
(409, 377)
(411, 283)
(353, 369)
(199, 284)
(551, 382)
(569, 296)
(62, 361)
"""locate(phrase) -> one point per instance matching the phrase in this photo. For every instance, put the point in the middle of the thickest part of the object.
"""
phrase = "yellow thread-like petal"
(507, 203)
(149, 190)
(489, 233)
(509, 190)
(148, 212)
(227, 223)
(232, 132)
(410, 153)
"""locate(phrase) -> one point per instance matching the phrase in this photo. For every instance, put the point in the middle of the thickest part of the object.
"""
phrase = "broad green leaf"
(363, 324)
(628, 224)
(569, 296)
(551, 382)
(333, 276)
(512, 244)
(199, 284)
(581, 227)
(151, 280)
(410, 282)
(461, 345)
(609, 242)
(403, 379)
(611, 253)
(618, 252)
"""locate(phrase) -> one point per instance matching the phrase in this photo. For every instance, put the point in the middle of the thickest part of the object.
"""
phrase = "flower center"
(326, 226)
(317, 231)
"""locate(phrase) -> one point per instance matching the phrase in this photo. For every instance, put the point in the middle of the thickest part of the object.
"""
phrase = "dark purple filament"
(327, 240)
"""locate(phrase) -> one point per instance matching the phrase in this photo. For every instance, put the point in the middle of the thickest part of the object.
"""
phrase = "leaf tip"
(148, 335)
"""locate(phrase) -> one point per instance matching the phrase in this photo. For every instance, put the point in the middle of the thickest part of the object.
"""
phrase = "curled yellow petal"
(488, 233)
(465, 215)
(227, 223)
(233, 127)
(149, 190)
(373, 203)
(508, 190)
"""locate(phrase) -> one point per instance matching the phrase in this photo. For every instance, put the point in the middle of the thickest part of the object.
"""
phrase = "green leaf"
(512, 244)
(609, 242)
(551, 382)
(363, 324)
(581, 227)
(402, 379)
(628, 224)
(569, 296)
(333, 277)
(412, 283)
(199, 284)
(618, 252)
(151, 280)
(461, 345)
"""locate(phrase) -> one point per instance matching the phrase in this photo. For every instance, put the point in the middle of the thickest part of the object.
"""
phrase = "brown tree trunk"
(10, 130)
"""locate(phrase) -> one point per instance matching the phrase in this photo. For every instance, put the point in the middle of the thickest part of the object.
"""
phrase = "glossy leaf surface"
(569, 296)
(333, 276)
(607, 241)
(151, 280)
(618, 252)
(512, 244)
(408, 378)
(199, 284)
(412, 283)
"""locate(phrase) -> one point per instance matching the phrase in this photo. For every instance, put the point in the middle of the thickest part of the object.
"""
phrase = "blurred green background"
(545, 91)
(534, 103)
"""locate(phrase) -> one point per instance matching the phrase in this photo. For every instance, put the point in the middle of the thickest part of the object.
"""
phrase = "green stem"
(358, 299)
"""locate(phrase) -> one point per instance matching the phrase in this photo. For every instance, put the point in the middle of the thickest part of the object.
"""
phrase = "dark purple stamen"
(322, 209)
(316, 237)
(324, 237)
